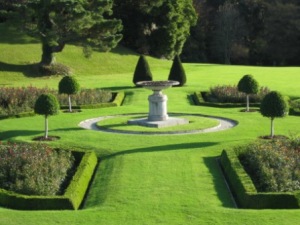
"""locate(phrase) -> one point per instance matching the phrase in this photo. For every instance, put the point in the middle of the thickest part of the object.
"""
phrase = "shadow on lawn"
(29, 70)
(7, 135)
(161, 148)
(10, 134)
(221, 188)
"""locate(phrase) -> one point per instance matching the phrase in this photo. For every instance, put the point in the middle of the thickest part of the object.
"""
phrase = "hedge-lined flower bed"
(230, 94)
(16, 100)
(71, 197)
(34, 169)
(264, 175)
(273, 166)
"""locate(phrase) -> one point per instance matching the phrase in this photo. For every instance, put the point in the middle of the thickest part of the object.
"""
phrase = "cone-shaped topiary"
(177, 72)
(68, 85)
(248, 85)
(46, 105)
(274, 105)
(142, 71)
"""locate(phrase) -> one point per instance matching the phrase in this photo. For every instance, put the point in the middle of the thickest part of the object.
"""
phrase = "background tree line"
(256, 32)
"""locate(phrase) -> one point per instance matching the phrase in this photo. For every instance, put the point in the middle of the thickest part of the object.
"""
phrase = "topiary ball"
(68, 85)
(46, 104)
(274, 105)
(248, 85)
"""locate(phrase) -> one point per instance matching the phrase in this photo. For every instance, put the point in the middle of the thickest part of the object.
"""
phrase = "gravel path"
(224, 124)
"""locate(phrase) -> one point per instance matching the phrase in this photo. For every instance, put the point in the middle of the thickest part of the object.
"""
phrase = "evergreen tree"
(274, 105)
(177, 72)
(46, 105)
(156, 27)
(68, 85)
(142, 71)
(59, 22)
(248, 85)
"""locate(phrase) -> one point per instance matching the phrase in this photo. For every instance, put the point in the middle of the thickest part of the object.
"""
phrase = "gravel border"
(224, 124)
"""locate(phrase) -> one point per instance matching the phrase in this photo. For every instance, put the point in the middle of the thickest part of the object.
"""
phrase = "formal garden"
(89, 176)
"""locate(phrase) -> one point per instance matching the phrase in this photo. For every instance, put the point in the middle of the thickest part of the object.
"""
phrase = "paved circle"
(224, 124)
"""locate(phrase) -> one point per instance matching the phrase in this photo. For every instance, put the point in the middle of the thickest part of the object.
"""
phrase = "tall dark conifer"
(142, 71)
(177, 72)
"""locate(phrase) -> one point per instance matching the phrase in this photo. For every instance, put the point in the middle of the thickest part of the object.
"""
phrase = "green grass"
(120, 123)
(170, 179)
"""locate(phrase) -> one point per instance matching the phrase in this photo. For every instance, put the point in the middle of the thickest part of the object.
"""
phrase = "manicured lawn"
(171, 179)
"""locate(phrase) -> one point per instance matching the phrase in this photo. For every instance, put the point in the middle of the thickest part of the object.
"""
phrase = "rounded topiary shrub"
(177, 72)
(248, 85)
(142, 71)
(274, 105)
(46, 105)
(68, 85)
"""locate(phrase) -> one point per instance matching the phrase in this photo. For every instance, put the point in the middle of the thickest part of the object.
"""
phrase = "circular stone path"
(224, 124)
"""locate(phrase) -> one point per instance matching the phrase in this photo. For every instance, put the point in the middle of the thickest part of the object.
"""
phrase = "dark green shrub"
(46, 105)
(142, 71)
(274, 105)
(68, 85)
(34, 169)
(248, 85)
(177, 72)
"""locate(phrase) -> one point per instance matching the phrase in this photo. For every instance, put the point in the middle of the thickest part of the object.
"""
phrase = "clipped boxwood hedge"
(199, 99)
(244, 191)
(72, 197)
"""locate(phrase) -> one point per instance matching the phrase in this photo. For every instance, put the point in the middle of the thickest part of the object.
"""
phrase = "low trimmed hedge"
(244, 191)
(80, 181)
(72, 197)
(199, 99)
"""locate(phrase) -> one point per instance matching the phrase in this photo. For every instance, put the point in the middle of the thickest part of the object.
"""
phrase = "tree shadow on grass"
(29, 70)
(10, 134)
(219, 181)
(162, 148)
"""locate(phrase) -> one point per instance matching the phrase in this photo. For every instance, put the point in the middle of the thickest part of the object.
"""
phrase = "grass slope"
(172, 179)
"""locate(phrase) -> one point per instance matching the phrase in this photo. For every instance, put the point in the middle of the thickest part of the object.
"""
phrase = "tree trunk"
(272, 127)
(70, 103)
(46, 127)
(47, 56)
(247, 109)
